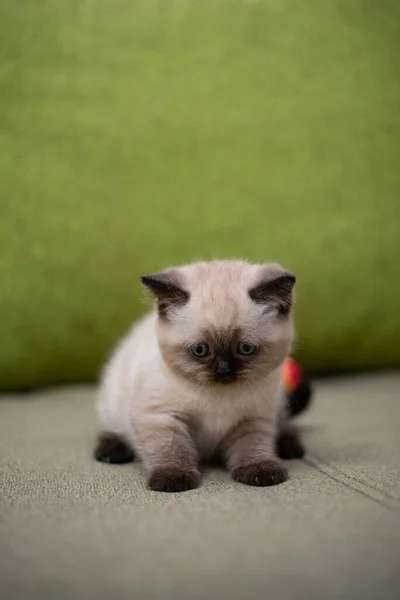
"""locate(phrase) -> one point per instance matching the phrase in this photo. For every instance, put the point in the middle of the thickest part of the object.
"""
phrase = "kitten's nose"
(224, 370)
(222, 367)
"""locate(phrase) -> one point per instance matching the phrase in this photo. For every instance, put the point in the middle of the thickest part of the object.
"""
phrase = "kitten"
(200, 378)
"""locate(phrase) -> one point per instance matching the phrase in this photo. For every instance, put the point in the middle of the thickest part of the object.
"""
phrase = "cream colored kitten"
(200, 377)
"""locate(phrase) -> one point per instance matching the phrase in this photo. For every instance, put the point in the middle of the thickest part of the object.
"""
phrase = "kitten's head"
(223, 321)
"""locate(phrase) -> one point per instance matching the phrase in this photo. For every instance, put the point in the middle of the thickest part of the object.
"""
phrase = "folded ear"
(275, 288)
(167, 290)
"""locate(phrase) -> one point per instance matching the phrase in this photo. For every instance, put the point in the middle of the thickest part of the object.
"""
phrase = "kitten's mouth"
(225, 378)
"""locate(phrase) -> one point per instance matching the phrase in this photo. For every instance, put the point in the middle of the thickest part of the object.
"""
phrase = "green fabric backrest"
(140, 134)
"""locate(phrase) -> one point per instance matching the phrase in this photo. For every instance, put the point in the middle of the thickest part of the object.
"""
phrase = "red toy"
(298, 388)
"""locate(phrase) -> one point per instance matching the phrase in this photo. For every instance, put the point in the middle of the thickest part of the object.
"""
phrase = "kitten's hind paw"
(265, 473)
(289, 446)
(167, 479)
(111, 448)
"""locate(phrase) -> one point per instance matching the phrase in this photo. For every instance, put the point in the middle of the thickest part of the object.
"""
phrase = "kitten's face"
(224, 322)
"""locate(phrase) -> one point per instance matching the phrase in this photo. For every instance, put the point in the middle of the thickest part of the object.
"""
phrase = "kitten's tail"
(299, 399)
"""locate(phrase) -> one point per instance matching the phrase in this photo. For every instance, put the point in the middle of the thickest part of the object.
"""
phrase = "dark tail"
(299, 399)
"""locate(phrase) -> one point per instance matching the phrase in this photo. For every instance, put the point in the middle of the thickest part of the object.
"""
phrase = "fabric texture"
(74, 528)
(141, 134)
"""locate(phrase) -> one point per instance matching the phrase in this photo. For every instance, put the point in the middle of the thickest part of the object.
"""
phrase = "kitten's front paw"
(267, 472)
(173, 480)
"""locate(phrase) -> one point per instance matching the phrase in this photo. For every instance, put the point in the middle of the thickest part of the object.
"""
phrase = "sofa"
(72, 528)
(138, 134)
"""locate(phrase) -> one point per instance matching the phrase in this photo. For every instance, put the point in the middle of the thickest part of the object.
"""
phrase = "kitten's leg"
(168, 452)
(112, 448)
(288, 443)
(249, 452)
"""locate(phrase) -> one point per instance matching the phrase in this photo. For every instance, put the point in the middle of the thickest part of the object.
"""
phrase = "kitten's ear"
(275, 287)
(167, 290)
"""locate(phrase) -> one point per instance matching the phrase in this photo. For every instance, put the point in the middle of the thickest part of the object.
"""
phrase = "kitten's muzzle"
(224, 370)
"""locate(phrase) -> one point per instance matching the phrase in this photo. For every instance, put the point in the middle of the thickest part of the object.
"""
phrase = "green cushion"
(138, 134)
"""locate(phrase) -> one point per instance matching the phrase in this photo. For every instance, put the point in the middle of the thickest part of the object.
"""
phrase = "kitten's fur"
(174, 409)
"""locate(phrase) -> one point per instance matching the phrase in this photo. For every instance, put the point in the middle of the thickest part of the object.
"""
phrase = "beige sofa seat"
(71, 528)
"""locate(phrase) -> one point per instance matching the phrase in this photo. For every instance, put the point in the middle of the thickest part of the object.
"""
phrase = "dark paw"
(113, 449)
(289, 446)
(173, 480)
(267, 472)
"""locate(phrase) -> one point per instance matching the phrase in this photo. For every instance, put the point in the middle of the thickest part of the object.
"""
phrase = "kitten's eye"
(245, 349)
(200, 350)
